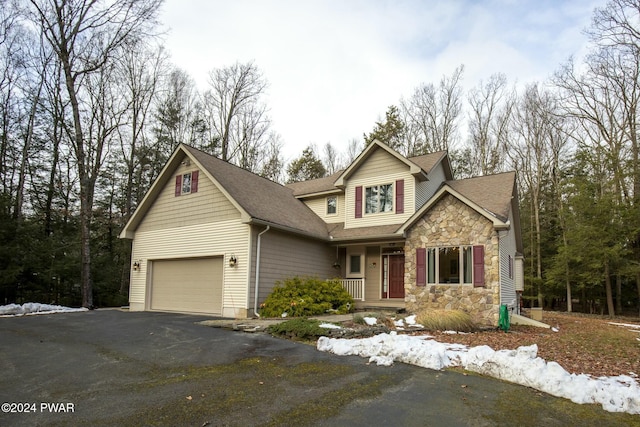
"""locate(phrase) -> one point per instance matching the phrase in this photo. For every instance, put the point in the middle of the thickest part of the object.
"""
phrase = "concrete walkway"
(260, 324)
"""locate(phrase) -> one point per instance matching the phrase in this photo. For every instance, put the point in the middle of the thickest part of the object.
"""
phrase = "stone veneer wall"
(452, 223)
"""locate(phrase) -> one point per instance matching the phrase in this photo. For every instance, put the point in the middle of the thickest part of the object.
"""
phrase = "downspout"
(255, 299)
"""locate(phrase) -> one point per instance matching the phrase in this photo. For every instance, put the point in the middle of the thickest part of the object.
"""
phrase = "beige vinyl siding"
(319, 206)
(383, 218)
(207, 205)
(426, 189)
(223, 238)
(379, 163)
(285, 255)
(373, 274)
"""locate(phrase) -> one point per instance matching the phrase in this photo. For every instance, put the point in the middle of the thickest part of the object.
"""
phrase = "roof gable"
(491, 196)
(414, 169)
(258, 199)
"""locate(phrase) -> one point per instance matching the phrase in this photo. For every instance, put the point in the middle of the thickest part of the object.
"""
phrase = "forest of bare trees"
(91, 107)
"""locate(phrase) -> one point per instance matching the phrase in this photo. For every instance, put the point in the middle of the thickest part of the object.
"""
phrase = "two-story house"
(212, 238)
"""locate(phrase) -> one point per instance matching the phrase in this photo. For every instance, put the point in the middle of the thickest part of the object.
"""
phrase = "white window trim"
(393, 199)
(359, 274)
(461, 281)
(183, 182)
(327, 206)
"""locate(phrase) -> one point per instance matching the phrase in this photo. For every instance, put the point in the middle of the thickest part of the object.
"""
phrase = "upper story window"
(379, 198)
(332, 205)
(186, 183)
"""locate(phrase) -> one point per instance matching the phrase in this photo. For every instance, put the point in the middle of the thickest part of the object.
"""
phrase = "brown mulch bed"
(582, 344)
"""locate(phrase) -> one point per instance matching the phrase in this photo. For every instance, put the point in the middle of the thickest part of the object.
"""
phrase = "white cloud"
(335, 66)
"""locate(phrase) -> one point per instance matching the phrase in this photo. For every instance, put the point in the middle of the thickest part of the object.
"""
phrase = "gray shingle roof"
(491, 192)
(261, 198)
(314, 186)
(321, 185)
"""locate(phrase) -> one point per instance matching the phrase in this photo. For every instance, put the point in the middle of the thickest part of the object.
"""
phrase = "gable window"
(461, 265)
(332, 205)
(379, 198)
(186, 183)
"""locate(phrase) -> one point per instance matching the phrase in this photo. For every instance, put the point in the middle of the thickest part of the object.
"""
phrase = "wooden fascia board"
(319, 193)
(445, 189)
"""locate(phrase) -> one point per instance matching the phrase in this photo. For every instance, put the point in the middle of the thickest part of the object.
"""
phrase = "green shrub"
(445, 320)
(307, 296)
(299, 328)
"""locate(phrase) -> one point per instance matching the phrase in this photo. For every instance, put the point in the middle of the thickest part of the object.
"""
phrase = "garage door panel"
(188, 285)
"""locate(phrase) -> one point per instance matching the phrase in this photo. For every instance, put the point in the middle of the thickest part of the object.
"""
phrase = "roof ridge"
(233, 165)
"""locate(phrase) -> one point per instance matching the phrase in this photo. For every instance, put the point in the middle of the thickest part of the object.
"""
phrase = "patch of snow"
(555, 329)
(520, 366)
(31, 308)
(370, 321)
(329, 326)
(409, 321)
(628, 325)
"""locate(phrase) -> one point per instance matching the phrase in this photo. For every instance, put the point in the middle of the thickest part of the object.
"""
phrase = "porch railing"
(355, 287)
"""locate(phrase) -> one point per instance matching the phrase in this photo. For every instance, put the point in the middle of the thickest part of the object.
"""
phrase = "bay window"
(463, 265)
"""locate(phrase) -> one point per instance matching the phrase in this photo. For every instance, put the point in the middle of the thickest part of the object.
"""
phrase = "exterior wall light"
(136, 266)
(233, 261)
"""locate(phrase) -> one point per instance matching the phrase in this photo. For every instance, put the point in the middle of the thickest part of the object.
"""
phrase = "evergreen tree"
(391, 131)
(308, 166)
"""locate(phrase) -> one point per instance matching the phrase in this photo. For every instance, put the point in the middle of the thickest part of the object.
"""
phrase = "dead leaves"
(581, 345)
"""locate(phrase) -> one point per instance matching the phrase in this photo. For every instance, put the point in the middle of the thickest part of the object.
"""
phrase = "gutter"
(255, 299)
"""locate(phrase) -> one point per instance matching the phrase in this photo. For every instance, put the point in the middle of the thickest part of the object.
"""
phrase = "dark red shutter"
(178, 185)
(194, 181)
(400, 196)
(359, 202)
(478, 266)
(421, 266)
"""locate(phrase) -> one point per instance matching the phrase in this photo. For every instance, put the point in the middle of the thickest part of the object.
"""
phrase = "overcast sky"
(334, 66)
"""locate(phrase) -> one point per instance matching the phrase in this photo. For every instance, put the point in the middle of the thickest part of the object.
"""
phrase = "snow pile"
(370, 320)
(521, 366)
(30, 308)
(409, 321)
(329, 326)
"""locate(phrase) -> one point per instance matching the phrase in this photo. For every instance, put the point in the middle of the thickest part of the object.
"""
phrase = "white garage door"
(187, 285)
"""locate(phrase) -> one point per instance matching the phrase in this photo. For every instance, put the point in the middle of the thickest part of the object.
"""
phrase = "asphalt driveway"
(109, 367)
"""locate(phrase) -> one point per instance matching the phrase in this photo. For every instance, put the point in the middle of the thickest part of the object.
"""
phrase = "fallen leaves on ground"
(583, 344)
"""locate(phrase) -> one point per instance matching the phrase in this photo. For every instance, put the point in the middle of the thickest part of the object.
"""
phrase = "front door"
(396, 276)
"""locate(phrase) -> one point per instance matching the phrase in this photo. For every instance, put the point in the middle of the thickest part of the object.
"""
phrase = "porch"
(356, 287)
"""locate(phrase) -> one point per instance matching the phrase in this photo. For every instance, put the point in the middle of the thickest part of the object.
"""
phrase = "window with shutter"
(178, 185)
(421, 267)
(400, 196)
(194, 181)
(478, 266)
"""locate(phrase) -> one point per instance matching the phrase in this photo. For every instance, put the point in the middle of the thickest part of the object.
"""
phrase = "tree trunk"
(618, 294)
(607, 288)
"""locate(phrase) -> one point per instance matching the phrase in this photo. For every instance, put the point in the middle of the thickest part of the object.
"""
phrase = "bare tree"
(237, 117)
(491, 106)
(432, 114)
(141, 69)
(331, 159)
(533, 154)
(86, 36)
(354, 147)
